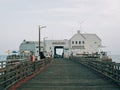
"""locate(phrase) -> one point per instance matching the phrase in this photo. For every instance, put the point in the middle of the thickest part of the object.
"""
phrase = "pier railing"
(2, 64)
(15, 71)
(109, 70)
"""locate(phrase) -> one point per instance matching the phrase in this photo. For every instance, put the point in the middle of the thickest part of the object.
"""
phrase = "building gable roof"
(91, 35)
(77, 35)
(85, 36)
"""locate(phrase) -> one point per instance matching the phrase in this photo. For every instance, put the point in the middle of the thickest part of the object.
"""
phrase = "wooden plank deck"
(67, 75)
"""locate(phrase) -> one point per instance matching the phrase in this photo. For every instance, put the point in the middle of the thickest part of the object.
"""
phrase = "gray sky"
(19, 20)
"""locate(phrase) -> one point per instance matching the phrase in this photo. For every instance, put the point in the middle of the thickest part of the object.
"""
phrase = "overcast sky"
(19, 20)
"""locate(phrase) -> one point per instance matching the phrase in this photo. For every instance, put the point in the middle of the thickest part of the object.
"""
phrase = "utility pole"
(40, 37)
(44, 43)
(39, 42)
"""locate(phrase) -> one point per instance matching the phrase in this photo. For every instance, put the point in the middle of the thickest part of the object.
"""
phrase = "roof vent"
(78, 32)
(24, 40)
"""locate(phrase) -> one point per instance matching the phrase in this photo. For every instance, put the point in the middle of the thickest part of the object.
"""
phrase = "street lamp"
(40, 36)
(44, 43)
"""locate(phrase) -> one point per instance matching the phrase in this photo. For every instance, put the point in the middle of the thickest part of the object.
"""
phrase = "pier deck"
(67, 75)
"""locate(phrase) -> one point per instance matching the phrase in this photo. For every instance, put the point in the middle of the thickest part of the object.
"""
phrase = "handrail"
(2, 64)
(17, 70)
(111, 70)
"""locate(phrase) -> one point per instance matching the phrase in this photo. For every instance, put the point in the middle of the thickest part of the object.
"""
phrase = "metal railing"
(2, 64)
(109, 70)
(15, 71)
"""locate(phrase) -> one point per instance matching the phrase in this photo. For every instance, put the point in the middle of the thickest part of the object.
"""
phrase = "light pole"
(44, 43)
(39, 37)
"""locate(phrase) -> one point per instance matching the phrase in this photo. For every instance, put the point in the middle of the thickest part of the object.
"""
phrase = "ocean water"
(3, 57)
(115, 58)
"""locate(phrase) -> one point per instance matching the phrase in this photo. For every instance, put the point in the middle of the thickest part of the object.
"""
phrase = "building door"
(58, 51)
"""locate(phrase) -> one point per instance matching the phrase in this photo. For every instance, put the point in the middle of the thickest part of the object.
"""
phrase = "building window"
(83, 42)
(76, 42)
(78, 47)
(79, 42)
(37, 46)
(72, 42)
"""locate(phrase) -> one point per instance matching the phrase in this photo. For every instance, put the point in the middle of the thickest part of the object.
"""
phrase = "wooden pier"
(61, 74)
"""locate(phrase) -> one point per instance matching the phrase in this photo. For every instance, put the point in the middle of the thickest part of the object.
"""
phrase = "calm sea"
(115, 58)
(3, 57)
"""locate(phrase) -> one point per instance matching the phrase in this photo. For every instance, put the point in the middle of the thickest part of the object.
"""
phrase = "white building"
(85, 43)
(77, 45)
(53, 45)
